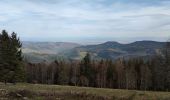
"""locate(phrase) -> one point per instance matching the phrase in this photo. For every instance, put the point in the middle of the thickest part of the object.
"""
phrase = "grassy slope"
(56, 92)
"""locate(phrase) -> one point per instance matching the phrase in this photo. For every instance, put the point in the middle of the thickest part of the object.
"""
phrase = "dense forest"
(135, 73)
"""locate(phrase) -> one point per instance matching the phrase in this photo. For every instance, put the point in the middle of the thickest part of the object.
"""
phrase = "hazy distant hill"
(114, 50)
(47, 47)
(40, 51)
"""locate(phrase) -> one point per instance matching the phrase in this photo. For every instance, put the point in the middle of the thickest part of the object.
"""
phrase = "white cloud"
(85, 18)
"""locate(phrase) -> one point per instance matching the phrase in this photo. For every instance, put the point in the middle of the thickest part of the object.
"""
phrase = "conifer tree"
(11, 65)
(86, 69)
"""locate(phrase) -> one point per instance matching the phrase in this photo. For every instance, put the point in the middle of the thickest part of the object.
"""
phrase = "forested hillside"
(115, 50)
(49, 51)
(45, 51)
(136, 73)
(133, 73)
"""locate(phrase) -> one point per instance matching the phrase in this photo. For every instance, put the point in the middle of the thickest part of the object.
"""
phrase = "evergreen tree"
(86, 69)
(111, 75)
(4, 55)
(11, 66)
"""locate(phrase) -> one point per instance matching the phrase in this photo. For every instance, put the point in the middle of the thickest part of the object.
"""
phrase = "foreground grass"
(55, 92)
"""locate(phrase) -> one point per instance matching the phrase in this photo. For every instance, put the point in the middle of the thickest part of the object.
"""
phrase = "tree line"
(134, 73)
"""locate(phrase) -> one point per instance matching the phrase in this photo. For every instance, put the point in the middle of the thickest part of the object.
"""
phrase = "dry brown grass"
(24, 91)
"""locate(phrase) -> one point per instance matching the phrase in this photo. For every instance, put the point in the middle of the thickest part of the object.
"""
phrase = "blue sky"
(86, 20)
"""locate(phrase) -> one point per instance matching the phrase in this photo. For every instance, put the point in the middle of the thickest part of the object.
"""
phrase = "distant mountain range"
(40, 51)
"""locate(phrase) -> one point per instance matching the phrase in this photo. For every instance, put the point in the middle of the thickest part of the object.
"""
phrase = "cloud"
(86, 18)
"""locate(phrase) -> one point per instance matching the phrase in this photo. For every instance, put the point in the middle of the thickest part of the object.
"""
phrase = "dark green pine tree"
(4, 50)
(87, 70)
(111, 74)
(11, 65)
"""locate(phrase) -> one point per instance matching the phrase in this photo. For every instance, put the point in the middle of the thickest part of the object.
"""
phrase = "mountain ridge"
(114, 50)
(108, 50)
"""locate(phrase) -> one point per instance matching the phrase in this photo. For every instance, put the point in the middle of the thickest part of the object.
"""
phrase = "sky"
(86, 21)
